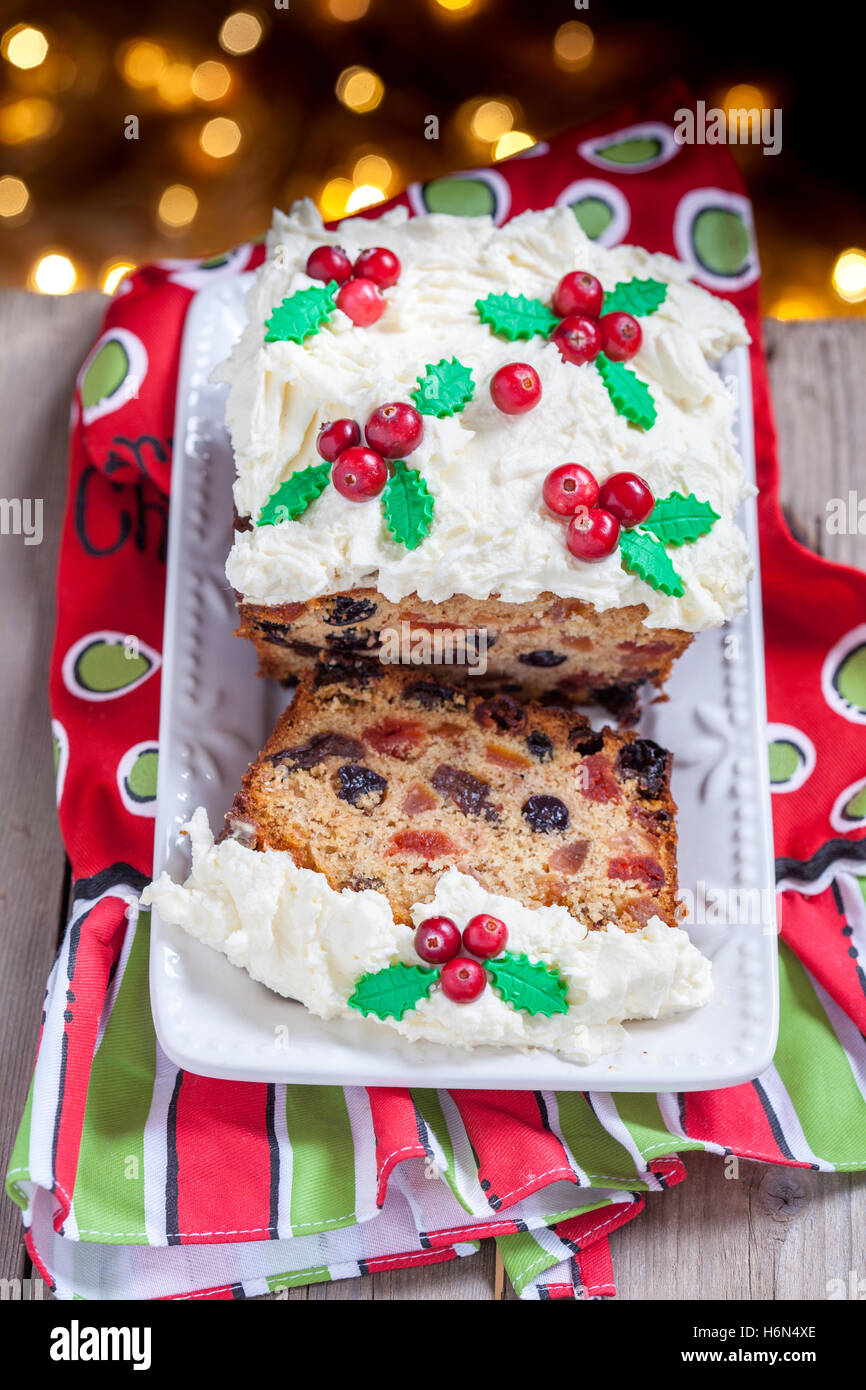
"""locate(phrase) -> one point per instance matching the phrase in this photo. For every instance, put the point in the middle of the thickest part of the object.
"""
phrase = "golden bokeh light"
(141, 62)
(743, 97)
(456, 7)
(241, 32)
(360, 89)
(211, 80)
(30, 118)
(334, 198)
(177, 206)
(220, 137)
(24, 46)
(849, 275)
(175, 84)
(346, 10)
(797, 304)
(491, 120)
(113, 274)
(365, 195)
(373, 169)
(573, 45)
(53, 273)
(14, 196)
(512, 142)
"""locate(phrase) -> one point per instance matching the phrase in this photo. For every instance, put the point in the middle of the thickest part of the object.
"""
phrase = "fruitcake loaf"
(388, 783)
(510, 430)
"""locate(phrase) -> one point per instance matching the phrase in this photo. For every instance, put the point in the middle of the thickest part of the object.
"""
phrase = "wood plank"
(42, 342)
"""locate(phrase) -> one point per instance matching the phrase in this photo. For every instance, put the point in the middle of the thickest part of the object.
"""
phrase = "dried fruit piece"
(543, 659)
(417, 800)
(569, 859)
(361, 786)
(469, 794)
(397, 738)
(540, 746)
(344, 610)
(319, 747)
(640, 869)
(648, 762)
(428, 844)
(596, 780)
(544, 814)
(500, 712)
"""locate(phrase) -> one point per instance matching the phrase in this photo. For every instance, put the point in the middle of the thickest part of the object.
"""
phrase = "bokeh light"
(177, 206)
(24, 46)
(346, 10)
(334, 198)
(211, 80)
(113, 274)
(455, 7)
(491, 119)
(14, 196)
(573, 45)
(373, 169)
(175, 84)
(54, 273)
(30, 118)
(241, 32)
(849, 275)
(141, 62)
(220, 137)
(512, 142)
(360, 89)
(366, 195)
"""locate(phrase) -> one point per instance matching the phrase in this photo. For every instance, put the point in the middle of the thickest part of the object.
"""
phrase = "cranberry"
(463, 979)
(627, 497)
(592, 533)
(329, 263)
(620, 336)
(359, 474)
(394, 430)
(437, 940)
(515, 388)
(578, 293)
(485, 936)
(568, 487)
(379, 265)
(578, 339)
(361, 301)
(335, 436)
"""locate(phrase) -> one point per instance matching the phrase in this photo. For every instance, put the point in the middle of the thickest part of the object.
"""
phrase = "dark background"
(94, 195)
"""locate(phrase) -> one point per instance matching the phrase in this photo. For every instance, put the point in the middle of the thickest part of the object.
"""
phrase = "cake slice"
(387, 783)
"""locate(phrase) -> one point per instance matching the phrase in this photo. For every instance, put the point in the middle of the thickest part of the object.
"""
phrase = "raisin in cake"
(388, 784)
(452, 529)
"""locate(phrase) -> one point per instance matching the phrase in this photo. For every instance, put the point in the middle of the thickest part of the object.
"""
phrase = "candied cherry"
(463, 979)
(568, 487)
(485, 936)
(394, 430)
(592, 533)
(378, 264)
(335, 436)
(515, 388)
(329, 263)
(578, 293)
(359, 474)
(361, 301)
(437, 940)
(627, 497)
(578, 339)
(620, 336)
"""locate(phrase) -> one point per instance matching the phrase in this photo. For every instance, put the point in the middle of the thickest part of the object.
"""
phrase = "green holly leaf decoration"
(635, 297)
(444, 389)
(531, 986)
(301, 314)
(630, 396)
(390, 992)
(408, 506)
(514, 316)
(676, 519)
(643, 555)
(295, 495)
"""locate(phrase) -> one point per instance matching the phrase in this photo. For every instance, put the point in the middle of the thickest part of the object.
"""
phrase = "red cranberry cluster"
(597, 513)
(584, 331)
(360, 471)
(438, 940)
(361, 284)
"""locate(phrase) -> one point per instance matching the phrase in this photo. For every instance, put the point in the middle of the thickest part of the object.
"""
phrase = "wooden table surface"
(773, 1233)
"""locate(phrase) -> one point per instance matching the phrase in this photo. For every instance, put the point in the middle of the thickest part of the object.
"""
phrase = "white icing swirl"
(294, 933)
(491, 533)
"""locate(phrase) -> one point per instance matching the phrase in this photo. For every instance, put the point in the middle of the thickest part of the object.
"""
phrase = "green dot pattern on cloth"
(849, 678)
(56, 743)
(594, 216)
(105, 374)
(213, 262)
(638, 150)
(460, 197)
(855, 809)
(785, 759)
(721, 241)
(106, 666)
(141, 779)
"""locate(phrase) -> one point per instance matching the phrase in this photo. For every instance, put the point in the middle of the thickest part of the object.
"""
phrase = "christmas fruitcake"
(507, 442)
(461, 868)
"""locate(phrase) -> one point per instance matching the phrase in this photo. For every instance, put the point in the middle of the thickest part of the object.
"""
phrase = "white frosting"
(290, 930)
(491, 532)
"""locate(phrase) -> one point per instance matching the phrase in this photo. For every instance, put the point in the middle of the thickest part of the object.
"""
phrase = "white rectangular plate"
(211, 1018)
